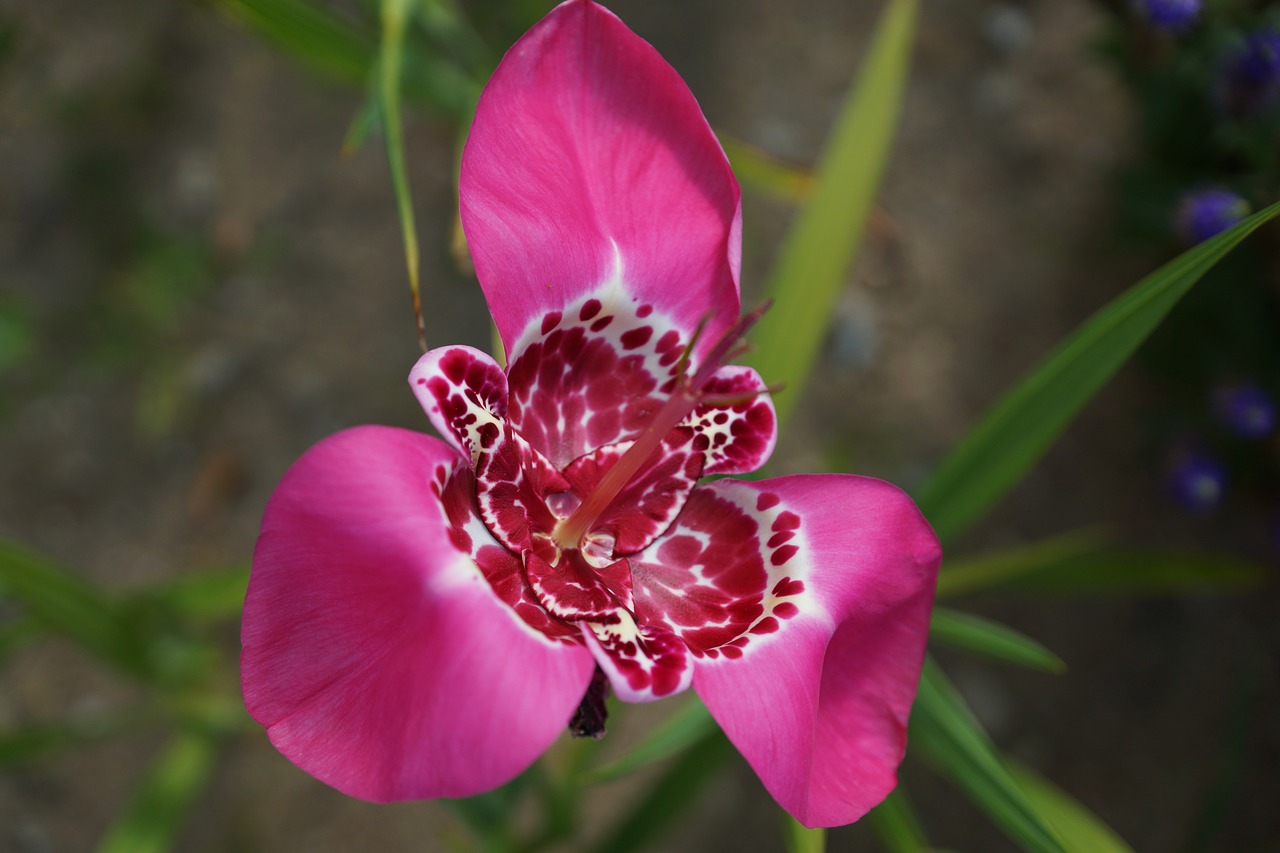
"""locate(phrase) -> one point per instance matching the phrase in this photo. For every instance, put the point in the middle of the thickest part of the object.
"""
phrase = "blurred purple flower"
(1246, 410)
(1172, 15)
(1197, 480)
(1249, 78)
(1203, 213)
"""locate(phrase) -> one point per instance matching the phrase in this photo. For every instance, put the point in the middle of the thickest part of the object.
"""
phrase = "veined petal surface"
(375, 651)
(806, 600)
(589, 166)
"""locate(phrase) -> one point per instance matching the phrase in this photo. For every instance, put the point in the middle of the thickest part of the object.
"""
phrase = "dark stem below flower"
(589, 719)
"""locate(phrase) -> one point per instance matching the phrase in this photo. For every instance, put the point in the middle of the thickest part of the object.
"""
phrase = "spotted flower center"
(576, 532)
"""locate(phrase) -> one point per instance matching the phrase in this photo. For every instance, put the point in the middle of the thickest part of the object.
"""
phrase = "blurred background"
(199, 279)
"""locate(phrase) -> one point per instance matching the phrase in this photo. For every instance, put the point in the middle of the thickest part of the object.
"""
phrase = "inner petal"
(573, 590)
(724, 573)
(736, 423)
(512, 483)
(643, 662)
(593, 374)
(652, 499)
(464, 393)
(501, 568)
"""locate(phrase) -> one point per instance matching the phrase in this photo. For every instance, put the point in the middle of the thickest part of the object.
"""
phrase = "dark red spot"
(460, 539)
(550, 321)
(644, 311)
(779, 538)
(786, 521)
(767, 625)
(590, 308)
(637, 337)
(602, 323)
(783, 554)
(454, 365)
(788, 586)
(785, 610)
(766, 500)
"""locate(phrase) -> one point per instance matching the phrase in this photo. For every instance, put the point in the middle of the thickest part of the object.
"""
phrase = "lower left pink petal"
(375, 652)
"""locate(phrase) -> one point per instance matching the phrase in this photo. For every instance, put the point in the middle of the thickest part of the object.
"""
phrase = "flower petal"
(590, 164)
(375, 652)
(738, 422)
(643, 662)
(464, 393)
(833, 633)
(593, 376)
(650, 500)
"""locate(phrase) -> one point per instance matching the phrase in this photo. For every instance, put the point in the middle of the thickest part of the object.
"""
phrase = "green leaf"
(30, 743)
(367, 117)
(976, 634)
(347, 50)
(671, 795)
(1080, 830)
(1019, 429)
(686, 726)
(197, 598)
(1134, 572)
(395, 14)
(823, 242)
(946, 732)
(896, 824)
(154, 818)
(1081, 563)
(970, 574)
(70, 607)
(758, 169)
(312, 35)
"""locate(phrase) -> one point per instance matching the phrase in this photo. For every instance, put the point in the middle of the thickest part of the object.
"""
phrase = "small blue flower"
(1203, 213)
(1246, 410)
(1171, 15)
(1197, 481)
(1249, 79)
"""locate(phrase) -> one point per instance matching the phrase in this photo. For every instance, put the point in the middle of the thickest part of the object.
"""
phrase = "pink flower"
(425, 617)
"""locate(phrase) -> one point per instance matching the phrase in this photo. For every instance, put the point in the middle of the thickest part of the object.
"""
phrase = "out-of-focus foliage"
(1206, 120)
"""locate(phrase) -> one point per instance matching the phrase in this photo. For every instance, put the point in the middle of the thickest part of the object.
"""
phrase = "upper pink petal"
(818, 699)
(590, 169)
(375, 652)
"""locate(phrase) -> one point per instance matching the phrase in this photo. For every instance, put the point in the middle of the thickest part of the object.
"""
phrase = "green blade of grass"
(196, 598)
(1081, 830)
(31, 743)
(1130, 571)
(766, 173)
(823, 242)
(152, 820)
(685, 727)
(312, 35)
(70, 607)
(395, 14)
(347, 50)
(961, 575)
(946, 732)
(896, 824)
(999, 451)
(668, 797)
(976, 634)
(1081, 563)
